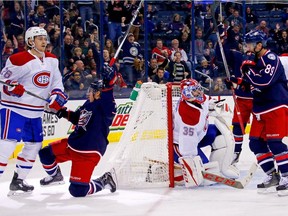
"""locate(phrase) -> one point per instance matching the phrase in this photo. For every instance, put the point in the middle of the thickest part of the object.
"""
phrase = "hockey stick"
(112, 61)
(210, 80)
(238, 113)
(28, 92)
(239, 184)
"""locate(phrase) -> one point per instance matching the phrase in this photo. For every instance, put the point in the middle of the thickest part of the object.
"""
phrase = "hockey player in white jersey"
(193, 131)
(35, 71)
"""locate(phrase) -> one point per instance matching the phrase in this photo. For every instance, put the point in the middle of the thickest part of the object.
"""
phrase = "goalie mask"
(192, 91)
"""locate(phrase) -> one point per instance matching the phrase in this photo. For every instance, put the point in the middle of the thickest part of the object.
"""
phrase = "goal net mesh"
(141, 158)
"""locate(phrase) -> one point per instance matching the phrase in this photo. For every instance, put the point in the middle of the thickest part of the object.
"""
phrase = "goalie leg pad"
(223, 151)
(192, 168)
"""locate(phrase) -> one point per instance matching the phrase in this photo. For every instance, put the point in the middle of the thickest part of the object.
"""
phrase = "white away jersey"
(284, 61)
(39, 77)
(190, 126)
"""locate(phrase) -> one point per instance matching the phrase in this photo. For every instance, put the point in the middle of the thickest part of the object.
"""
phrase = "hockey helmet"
(33, 32)
(192, 90)
(96, 86)
(256, 36)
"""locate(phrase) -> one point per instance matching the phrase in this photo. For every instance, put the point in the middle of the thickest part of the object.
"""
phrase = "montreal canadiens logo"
(41, 79)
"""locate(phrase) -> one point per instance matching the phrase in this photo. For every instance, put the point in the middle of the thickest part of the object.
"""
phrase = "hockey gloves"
(246, 65)
(13, 88)
(233, 82)
(109, 76)
(62, 113)
(57, 100)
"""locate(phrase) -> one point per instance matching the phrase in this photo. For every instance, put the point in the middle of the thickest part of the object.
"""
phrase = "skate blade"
(267, 190)
(282, 193)
(19, 193)
(53, 184)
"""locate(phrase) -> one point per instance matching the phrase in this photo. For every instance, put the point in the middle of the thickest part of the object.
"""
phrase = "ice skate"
(53, 180)
(19, 187)
(109, 180)
(270, 183)
(282, 189)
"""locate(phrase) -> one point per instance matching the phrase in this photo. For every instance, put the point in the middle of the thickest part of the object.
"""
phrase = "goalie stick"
(239, 184)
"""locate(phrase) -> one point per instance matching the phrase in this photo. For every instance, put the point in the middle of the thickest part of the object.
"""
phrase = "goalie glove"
(57, 100)
(215, 104)
(246, 65)
(13, 88)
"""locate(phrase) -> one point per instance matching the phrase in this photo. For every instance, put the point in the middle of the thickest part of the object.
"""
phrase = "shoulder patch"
(271, 56)
(21, 58)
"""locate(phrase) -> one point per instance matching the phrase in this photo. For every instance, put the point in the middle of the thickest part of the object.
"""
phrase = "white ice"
(210, 200)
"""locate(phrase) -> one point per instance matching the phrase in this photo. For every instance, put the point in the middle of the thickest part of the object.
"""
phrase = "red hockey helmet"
(192, 90)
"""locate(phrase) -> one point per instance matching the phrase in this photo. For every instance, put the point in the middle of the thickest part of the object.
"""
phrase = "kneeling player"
(192, 131)
(87, 143)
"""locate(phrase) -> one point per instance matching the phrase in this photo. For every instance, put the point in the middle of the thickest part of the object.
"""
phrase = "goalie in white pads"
(192, 131)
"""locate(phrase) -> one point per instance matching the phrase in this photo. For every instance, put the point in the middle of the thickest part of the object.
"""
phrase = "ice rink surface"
(179, 201)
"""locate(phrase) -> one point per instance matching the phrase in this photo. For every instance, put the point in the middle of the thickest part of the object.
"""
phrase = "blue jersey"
(269, 83)
(92, 121)
(131, 51)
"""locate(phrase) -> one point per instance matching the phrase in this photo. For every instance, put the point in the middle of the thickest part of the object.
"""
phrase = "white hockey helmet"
(33, 32)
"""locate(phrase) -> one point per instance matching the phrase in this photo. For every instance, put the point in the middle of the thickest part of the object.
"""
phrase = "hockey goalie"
(200, 121)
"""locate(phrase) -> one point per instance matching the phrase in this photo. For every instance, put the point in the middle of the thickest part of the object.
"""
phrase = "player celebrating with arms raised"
(36, 71)
(87, 143)
(268, 82)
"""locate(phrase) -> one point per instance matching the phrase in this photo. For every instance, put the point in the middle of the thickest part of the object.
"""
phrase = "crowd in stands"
(170, 32)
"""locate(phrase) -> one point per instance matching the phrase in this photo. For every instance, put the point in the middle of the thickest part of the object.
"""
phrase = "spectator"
(85, 10)
(235, 18)
(178, 69)
(184, 42)
(159, 76)
(39, 17)
(78, 55)
(199, 46)
(206, 69)
(131, 7)
(21, 43)
(176, 26)
(283, 43)
(219, 86)
(116, 10)
(110, 47)
(17, 20)
(68, 51)
(75, 86)
(234, 38)
(209, 51)
(161, 52)
(263, 27)
(251, 19)
(131, 51)
(81, 68)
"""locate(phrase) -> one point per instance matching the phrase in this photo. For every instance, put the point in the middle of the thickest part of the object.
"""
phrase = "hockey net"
(144, 155)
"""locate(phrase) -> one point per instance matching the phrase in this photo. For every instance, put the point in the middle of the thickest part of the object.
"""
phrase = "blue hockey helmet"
(256, 36)
(96, 86)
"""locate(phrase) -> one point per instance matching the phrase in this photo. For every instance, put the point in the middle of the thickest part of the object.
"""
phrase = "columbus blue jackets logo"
(41, 79)
(133, 51)
(271, 56)
(84, 118)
